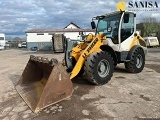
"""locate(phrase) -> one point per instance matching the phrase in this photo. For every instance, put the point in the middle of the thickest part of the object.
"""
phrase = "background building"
(42, 38)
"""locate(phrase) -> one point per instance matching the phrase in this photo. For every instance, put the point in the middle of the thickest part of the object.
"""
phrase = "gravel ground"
(127, 96)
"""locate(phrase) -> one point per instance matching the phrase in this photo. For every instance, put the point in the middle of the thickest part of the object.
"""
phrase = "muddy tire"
(136, 64)
(99, 68)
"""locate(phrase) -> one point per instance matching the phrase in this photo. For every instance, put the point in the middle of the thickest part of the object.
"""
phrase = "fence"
(14, 44)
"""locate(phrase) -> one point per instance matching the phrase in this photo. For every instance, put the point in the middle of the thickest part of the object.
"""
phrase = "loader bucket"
(43, 83)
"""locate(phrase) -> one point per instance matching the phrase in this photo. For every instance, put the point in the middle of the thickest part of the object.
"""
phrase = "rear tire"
(136, 64)
(99, 67)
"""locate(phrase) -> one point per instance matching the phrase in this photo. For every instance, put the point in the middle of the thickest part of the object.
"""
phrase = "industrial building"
(42, 38)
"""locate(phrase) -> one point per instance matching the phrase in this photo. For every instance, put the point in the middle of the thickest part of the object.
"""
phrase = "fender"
(110, 50)
(132, 51)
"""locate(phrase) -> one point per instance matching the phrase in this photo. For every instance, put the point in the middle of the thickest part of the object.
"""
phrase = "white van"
(22, 45)
(2, 41)
(151, 41)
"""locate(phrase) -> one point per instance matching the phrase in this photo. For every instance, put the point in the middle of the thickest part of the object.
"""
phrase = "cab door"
(126, 30)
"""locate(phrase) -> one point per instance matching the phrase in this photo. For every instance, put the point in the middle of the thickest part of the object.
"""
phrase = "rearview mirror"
(93, 25)
(109, 29)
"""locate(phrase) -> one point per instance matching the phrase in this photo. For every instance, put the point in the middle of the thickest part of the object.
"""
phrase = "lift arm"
(93, 46)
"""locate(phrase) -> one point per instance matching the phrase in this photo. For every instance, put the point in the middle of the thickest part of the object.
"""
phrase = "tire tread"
(89, 65)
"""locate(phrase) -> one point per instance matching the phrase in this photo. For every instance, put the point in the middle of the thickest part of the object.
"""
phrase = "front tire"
(99, 67)
(136, 64)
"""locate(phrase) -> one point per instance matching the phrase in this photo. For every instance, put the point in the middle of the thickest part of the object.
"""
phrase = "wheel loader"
(45, 82)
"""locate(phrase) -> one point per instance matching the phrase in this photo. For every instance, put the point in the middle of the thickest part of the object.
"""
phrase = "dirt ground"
(127, 96)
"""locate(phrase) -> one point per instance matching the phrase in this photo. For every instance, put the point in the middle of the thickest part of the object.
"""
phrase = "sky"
(18, 16)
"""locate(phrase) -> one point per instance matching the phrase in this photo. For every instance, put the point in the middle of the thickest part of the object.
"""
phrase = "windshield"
(1, 38)
(109, 25)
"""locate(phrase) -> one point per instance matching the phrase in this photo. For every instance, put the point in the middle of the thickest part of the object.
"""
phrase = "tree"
(150, 26)
(8, 38)
(17, 39)
(149, 19)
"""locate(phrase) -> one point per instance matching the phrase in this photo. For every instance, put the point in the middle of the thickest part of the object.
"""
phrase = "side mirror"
(93, 25)
(126, 18)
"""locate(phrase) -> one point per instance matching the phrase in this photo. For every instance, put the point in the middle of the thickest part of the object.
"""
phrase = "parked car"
(22, 45)
(2, 41)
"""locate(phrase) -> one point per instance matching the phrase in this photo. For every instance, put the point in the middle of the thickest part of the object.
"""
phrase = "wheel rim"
(103, 68)
(139, 59)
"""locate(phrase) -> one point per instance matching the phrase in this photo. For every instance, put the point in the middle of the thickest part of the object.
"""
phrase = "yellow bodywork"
(136, 41)
(84, 49)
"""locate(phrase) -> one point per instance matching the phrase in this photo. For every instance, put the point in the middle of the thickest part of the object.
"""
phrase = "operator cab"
(117, 26)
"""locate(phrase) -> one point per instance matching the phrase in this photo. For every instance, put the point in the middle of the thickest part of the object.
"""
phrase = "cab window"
(127, 28)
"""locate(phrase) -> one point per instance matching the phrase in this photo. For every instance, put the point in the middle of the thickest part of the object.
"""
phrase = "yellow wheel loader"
(45, 82)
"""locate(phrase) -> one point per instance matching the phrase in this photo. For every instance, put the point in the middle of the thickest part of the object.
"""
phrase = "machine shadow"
(81, 80)
(120, 70)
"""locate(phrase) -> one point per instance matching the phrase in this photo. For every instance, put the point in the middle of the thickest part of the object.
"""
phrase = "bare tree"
(149, 20)
(150, 25)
